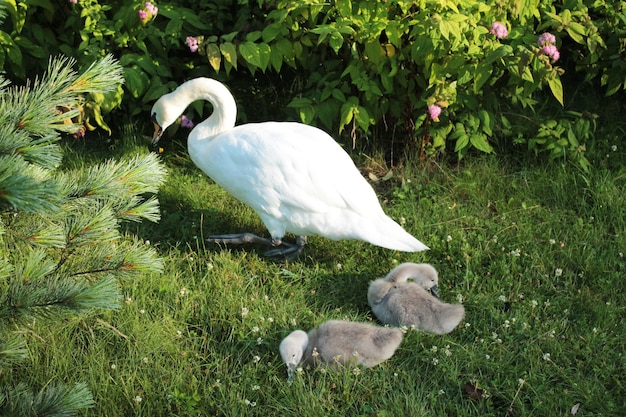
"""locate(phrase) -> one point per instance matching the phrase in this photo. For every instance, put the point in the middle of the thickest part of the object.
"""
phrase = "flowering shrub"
(439, 75)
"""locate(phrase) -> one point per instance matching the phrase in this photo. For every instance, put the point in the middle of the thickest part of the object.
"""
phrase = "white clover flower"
(256, 358)
(459, 298)
(113, 366)
(315, 353)
(521, 381)
(244, 311)
(145, 360)
(447, 351)
(129, 300)
(138, 399)
(299, 370)
(270, 320)
(356, 371)
(183, 291)
(402, 221)
(534, 303)
(259, 340)
(448, 238)
(614, 148)
(546, 357)
(256, 388)
(558, 272)
(506, 324)
(547, 303)
(179, 333)
(255, 329)
(209, 266)
(433, 349)
(435, 361)
(142, 311)
(595, 330)
(441, 392)
(502, 298)
(516, 252)
(467, 325)
(552, 241)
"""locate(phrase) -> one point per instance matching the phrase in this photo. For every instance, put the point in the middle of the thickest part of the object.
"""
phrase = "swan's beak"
(435, 291)
(158, 132)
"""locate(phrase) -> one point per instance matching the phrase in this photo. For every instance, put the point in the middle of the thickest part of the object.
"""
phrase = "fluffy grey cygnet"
(398, 302)
(340, 342)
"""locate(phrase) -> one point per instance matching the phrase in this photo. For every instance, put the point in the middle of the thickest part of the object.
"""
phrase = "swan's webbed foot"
(279, 248)
(286, 249)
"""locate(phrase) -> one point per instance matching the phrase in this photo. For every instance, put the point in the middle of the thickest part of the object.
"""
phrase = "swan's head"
(291, 350)
(163, 115)
(424, 275)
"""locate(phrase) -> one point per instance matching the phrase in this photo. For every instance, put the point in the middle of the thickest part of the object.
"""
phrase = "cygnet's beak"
(158, 132)
(291, 371)
(434, 291)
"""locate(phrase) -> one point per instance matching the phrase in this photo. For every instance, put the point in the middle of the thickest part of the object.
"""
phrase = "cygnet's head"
(424, 275)
(291, 350)
(377, 291)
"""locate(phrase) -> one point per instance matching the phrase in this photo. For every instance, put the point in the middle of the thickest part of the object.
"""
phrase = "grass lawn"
(535, 252)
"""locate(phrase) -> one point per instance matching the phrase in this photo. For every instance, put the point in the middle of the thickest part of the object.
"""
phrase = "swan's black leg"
(279, 247)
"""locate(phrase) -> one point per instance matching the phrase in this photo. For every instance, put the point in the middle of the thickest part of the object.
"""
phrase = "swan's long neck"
(224, 106)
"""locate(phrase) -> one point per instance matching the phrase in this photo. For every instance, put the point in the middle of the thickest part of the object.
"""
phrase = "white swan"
(294, 176)
(340, 342)
(397, 302)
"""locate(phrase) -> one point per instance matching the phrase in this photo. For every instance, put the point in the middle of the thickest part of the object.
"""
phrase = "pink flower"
(151, 8)
(546, 38)
(192, 43)
(499, 30)
(73, 1)
(186, 122)
(434, 111)
(552, 51)
(143, 15)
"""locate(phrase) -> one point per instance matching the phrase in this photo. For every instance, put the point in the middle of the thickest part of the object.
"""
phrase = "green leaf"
(480, 142)
(229, 51)
(486, 122)
(214, 56)
(557, 88)
(271, 32)
(136, 81)
(483, 72)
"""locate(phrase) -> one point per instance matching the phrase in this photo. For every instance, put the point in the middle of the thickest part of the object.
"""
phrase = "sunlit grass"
(535, 254)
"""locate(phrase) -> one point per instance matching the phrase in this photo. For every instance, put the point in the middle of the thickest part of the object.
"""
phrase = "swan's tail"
(389, 234)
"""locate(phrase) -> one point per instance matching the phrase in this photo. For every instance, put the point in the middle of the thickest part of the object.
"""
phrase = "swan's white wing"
(298, 179)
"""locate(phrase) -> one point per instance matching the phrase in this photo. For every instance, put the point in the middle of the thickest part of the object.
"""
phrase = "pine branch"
(137, 175)
(12, 351)
(52, 401)
(55, 298)
(20, 187)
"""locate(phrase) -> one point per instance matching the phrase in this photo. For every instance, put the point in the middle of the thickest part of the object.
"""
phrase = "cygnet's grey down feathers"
(345, 342)
(341, 342)
(397, 302)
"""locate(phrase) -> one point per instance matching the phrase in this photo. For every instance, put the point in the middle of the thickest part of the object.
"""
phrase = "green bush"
(366, 69)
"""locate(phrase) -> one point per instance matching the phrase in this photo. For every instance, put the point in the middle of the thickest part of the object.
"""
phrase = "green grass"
(535, 254)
